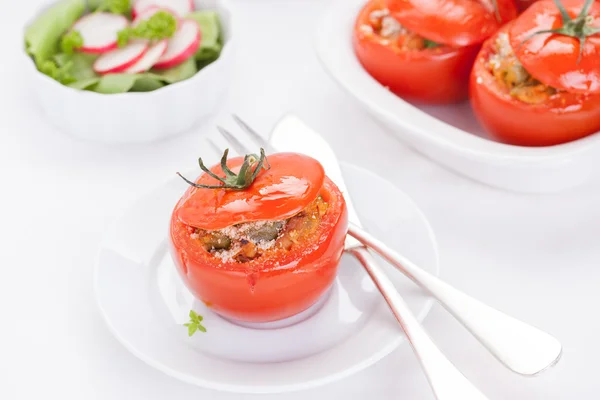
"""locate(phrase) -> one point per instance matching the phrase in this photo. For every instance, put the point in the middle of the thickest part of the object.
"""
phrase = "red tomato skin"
(455, 23)
(523, 5)
(566, 117)
(430, 76)
(274, 288)
(287, 187)
(554, 59)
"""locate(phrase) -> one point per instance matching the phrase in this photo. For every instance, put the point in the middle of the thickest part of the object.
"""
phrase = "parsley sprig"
(161, 25)
(61, 74)
(71, 41)
(195, 323)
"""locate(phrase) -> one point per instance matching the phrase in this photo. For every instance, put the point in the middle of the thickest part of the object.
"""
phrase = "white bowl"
(138, 117)
(450, 135)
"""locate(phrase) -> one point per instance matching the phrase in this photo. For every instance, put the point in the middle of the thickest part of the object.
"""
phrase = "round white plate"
(144, 302)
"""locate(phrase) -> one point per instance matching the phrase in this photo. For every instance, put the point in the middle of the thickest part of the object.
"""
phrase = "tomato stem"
(249, 170)
(579, 27)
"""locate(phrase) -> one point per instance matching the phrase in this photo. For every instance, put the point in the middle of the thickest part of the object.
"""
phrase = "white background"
(536, 257)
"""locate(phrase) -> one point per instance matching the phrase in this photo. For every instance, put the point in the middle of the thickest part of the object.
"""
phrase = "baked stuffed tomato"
(537, 82)
(259, 239)
(420, 59)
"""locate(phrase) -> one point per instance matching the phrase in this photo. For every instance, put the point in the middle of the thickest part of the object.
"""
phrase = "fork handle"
(447, 382)
(520, 347)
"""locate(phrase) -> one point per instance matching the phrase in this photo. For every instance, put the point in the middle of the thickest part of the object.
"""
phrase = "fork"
(522, 348)
(446, 381)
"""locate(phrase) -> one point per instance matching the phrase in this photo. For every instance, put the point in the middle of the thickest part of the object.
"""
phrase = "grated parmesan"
(376, 15)
(390, 27)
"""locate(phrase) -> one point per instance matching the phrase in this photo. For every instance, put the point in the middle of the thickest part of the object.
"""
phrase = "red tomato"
(280, 283)
(453, 22)
(555, 59)
(292, 182)
(564, 117)
(435, 75)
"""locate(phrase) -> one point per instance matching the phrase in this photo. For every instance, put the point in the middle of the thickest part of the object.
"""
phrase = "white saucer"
(145, 303)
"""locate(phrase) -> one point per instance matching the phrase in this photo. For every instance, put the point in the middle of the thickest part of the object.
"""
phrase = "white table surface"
(536, 257)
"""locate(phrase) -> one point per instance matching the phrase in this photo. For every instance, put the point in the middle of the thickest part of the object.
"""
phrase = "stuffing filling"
(250, 240)
(389, 31)
(507, 69)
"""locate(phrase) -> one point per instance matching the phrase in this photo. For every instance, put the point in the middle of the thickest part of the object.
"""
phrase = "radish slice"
(149, 58)
(182, 45)
(120, 59)
(150, 11)
(180, 7)
(99, 31)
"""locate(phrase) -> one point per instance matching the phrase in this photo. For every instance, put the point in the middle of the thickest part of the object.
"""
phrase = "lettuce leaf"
(210, 26)
(93, 5)
(183, 71)
(115, 83)
(112, 6)
(85, 84)
(146, 83)
(82, 64)
(43, 35)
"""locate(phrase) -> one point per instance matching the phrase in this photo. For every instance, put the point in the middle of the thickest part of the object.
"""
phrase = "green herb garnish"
(161, 25)
(71, 42)
(115, 6)
(240, 181)
(61, 74)
(195, 323)
(430, 44)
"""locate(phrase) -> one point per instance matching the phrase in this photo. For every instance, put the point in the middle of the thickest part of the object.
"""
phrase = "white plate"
(449, 134)
(144, 302)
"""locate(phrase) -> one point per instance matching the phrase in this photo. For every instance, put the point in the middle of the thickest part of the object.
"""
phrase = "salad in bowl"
(123, 71)
(115, 46)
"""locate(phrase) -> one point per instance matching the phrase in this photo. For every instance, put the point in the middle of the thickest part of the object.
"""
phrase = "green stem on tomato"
(579, 27)
(249, 170)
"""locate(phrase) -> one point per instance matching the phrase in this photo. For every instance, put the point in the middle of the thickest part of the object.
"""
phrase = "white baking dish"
(137, 117)
(450, 135)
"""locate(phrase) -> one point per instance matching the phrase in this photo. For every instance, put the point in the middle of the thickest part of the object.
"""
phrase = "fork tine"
(258, 139)
(215, 147)
(238, 146)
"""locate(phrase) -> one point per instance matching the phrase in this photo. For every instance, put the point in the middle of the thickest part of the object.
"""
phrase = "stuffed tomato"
(422, 60)
(259, 239)
(532, 87)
